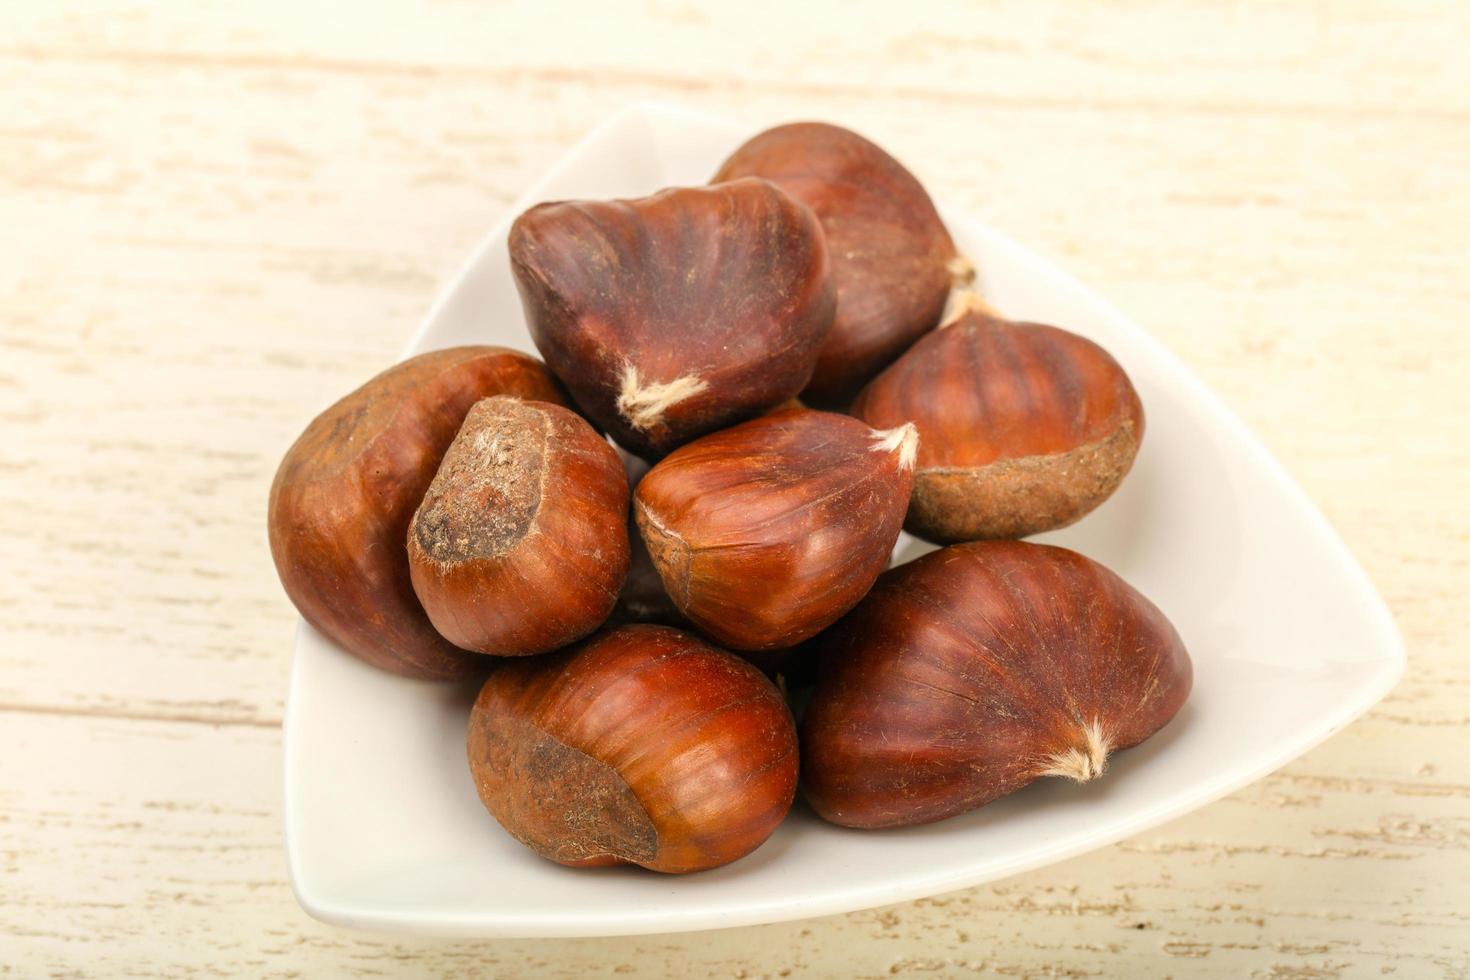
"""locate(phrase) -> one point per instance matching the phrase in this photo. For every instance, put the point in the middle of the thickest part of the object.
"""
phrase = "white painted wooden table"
(212, 224)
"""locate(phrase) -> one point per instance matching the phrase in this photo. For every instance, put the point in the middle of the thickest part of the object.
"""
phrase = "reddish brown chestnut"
(970, 672)
(521, 544)
(344, 494)
(1024, 427)
(642, 745)
(892, 260)
(677, 314)
(767, 532)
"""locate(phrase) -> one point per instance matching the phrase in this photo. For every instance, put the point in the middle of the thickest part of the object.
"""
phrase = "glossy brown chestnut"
(1023, 427)
(644, 598)
(970, 672)
(521, 544)
(343, 496)
(677, 314)
(642, 745)
(892, 260)
(767, 532)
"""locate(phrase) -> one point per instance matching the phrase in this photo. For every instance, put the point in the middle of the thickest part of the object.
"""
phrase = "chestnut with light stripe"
(345, 492)
(677, 314)
(976, 669)
(1025, 427)
(643, 745)
(767, 532)
(893, 262)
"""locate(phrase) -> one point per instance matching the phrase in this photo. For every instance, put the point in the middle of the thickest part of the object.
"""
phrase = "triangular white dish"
(1290, 643)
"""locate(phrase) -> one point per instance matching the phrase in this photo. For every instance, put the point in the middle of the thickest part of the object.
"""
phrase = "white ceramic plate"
(1290, 643)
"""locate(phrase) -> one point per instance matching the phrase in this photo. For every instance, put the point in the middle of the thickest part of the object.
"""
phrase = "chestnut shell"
(345, 492)
(642, 745)
(1023, 427)
(970, 672)
(893, 261)
(677, 314)
(520, 545)
(765, 533)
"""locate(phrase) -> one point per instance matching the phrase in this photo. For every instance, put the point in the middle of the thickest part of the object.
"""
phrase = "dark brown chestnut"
(642, 745)
(520, 545)
(678, 314)
(970, 672)
(767, 532)
(892, 259)
(1024, 427)
(346, 490)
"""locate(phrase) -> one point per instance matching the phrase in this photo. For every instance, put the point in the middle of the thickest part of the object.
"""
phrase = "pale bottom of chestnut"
(1084, 761)
(560, 802)
(643, 403)
(1013, 498)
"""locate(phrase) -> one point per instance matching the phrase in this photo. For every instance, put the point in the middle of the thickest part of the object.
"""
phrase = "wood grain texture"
(213, 224)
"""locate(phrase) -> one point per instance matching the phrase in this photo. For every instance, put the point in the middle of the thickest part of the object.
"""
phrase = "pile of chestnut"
(468, 502)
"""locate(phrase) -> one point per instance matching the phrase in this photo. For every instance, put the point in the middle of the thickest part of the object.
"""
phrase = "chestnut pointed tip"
(963, 302)
(961, 271)
(1082, 762)
(644, 403)
(903, 440)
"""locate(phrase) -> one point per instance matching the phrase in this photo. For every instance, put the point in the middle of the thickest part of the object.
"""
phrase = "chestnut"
(970, 672)
(346, 490)
(642, 745)
(893, 262)
(520, 545)
(767, 532)
(1025, 427)
(678, 314)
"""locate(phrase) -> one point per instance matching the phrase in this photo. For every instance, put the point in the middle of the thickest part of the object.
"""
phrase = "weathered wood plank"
(194, 284)
(154, 848)
(212, 225)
